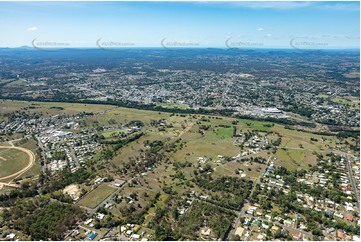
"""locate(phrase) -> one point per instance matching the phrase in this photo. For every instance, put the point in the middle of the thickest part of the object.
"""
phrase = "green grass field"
(92, 199)
(11, 161)
(342, 101)
(224, 133)
(18, 83)
(210, 145)
(257, 125)
(171, 105)
(295, 159)
(114, 133)
(354, 102)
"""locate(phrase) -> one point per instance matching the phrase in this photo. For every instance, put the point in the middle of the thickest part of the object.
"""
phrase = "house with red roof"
(340, 234)
(296, 236)
(346, 188)
(348, 217)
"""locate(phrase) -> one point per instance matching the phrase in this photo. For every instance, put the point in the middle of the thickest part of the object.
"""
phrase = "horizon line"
(175, 48)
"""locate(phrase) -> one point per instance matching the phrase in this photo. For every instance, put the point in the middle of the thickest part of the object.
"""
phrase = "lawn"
(125, 115)
(98, 195)
(18, 83)
(342, 101)
(257, 125)
(209, 145)
(11, 161)
(295, 159)
(229, 168)
(224, 133)
(213, 142)
(294, 138)
(354, 102)
(172, 105)
(114, 133)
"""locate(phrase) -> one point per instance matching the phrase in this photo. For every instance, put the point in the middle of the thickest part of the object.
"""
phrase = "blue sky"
(181, 24)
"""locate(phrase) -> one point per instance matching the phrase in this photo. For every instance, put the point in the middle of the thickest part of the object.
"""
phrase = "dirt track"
(31, 162)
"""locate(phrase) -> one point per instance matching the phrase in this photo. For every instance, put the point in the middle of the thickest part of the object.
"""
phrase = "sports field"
(12, 161)
(98, 195)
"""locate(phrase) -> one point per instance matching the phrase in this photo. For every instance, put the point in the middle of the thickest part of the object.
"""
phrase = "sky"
(180, 24)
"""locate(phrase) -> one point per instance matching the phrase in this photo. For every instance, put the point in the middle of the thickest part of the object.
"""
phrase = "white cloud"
(260, 29)
(268, 35)
(32, 29)
(346, 6)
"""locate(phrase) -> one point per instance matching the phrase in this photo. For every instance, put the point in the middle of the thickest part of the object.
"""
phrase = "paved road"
(72, 153)
(43, 167)
(352, 180)
(259, 177)
(241, 213)
(295, 231)
(235, 225)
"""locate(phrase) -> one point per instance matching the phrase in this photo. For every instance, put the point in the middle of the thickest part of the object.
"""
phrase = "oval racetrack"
(31, 162)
